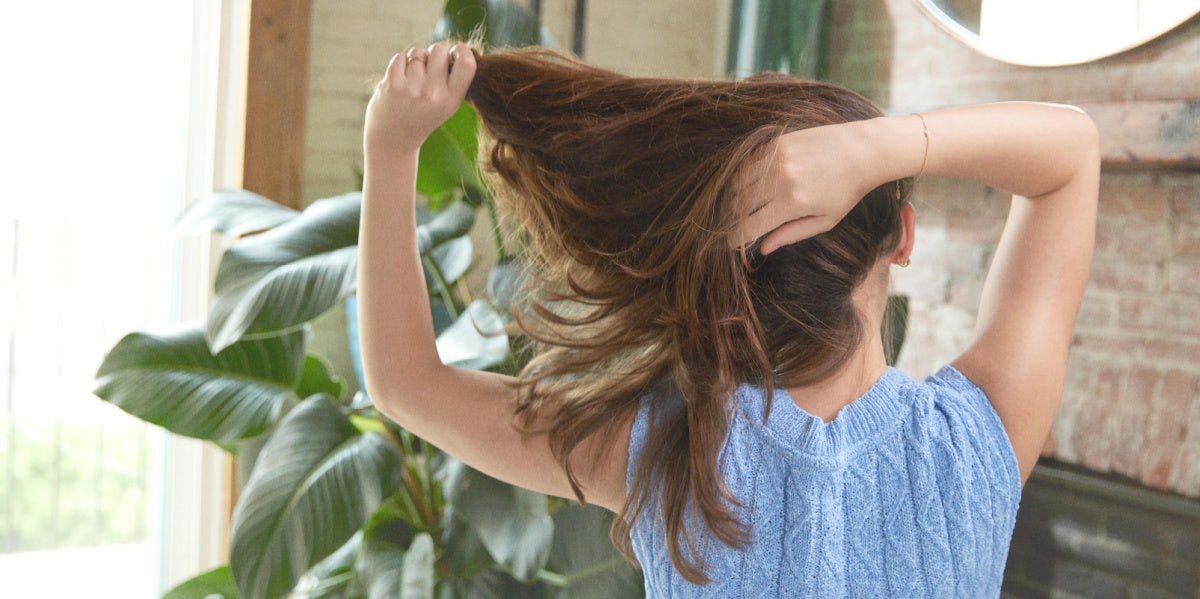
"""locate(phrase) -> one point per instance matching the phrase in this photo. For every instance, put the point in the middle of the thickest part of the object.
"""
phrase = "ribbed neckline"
(794, 429)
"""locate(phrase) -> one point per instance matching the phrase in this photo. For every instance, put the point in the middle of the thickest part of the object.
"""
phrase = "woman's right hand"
(422, 88)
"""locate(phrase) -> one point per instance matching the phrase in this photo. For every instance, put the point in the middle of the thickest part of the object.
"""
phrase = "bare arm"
(1046, 155)
(1034, 287)
(464, 412)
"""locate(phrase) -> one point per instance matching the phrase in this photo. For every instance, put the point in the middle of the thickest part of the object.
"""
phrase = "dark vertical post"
(580, 21)
(737, 15)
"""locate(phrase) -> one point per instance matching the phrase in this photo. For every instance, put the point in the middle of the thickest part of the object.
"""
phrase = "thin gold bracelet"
(924, 158)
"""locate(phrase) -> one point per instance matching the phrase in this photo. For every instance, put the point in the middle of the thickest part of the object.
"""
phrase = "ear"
(908, 225)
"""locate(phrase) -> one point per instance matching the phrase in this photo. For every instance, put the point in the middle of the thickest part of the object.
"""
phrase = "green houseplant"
(338, 501)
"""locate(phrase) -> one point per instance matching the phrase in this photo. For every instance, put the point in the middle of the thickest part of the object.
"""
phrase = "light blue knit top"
(911, 491)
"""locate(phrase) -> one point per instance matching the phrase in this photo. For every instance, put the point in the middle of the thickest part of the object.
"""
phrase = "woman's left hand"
(422, 88)
(803, 184)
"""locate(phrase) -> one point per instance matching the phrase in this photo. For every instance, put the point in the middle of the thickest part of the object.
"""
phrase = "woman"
(711, 266)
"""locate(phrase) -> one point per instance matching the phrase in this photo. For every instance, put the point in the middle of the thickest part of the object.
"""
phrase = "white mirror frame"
(972, 40)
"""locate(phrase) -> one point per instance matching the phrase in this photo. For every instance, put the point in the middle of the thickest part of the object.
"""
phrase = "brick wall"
(1131, 405)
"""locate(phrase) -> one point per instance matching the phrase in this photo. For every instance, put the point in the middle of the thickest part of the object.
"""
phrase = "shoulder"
(972, 422)
(952, 394)
(949, 383)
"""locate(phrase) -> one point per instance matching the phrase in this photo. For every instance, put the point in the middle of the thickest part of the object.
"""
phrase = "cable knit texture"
(911, 491)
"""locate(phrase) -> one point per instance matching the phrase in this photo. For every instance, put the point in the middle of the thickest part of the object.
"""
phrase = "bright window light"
(94, 126)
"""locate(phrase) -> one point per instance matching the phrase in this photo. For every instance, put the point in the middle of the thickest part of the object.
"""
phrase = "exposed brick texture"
(1131, 405)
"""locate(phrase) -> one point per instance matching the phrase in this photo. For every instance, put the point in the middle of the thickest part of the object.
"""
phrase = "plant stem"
(562, 580)
(394, 434)
(497, 239)
(553, 578)
(464, 291)
(414, 490)
(443, 288)
(418, 495)
(431, 502)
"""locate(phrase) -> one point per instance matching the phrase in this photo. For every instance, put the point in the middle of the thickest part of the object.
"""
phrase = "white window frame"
(192, 522)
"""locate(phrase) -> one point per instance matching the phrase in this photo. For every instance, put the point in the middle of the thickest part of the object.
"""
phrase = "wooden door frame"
(276, 113)
(277, 99)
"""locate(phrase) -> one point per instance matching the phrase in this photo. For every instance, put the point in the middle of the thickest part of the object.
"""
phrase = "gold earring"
(904, 263)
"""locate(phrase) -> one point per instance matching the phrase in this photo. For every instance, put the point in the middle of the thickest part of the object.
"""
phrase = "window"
(111, 115)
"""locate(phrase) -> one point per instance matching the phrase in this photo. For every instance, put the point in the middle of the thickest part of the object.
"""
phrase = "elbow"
(377, 388)
(1075, 152)
(1081, 131)
(392, 400)
(1089, 138)
(394, 392)
(1084, 137)
(381, 391)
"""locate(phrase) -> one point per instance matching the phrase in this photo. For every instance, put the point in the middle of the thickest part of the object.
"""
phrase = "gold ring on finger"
(416, 53)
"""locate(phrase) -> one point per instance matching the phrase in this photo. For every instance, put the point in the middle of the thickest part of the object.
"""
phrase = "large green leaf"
(512, 522)
(333, 577)
(476, 340)
(397, 560)
(502, 23)
(417, 579)
(435, 230)
(463, 128)
(318, 377)
(234, 212)
(452, 258)
(384, 572)
(446, 252)
(588, 564)
(386, 538)
(316, 482)
(504, 281)
(173, 380)
(464, 554)
(247, 456)
(214, 584)
(447, 160)
(288, 275)
(295, 272)
(494, 584)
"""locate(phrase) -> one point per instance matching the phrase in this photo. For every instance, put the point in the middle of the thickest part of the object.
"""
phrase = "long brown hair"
(620, 188)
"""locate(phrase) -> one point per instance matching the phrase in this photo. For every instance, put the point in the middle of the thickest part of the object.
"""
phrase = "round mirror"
(1057, 32)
